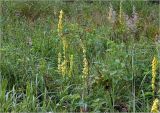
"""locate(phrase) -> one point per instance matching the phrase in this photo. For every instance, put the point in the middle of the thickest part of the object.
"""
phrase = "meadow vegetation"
(100, 56)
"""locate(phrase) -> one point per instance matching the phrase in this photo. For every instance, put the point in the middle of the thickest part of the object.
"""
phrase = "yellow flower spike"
(61, 14)
(60, 23)
(154, 67)
(154, 108)
(85, 68)
(63, 67)
(83, 48)
(64, 64)
(85, 62)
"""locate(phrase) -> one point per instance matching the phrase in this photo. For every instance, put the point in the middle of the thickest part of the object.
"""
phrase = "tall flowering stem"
(85, 73)
(85, 62)
(154, 68)
(62, 65)
(60, 23)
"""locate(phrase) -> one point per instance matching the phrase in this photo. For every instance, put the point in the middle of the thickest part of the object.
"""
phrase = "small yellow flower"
(154, 108)
(154, 67)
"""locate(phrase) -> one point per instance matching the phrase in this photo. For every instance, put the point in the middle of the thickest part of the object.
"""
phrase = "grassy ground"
(95, 64)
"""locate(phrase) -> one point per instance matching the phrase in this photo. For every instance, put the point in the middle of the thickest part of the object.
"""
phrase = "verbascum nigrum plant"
(85, 67)
(64, 63)
(61, 64)
(60, 23)
(85, 62)
(120, 13)
(63, 67)
(121, 20)
(85, 72)
(155, 105)
(154, 68)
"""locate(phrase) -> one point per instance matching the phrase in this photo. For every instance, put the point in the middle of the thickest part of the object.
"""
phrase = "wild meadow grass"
(59, 56)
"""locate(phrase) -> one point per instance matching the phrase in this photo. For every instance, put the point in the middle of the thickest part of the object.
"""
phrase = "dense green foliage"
(119, 60)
